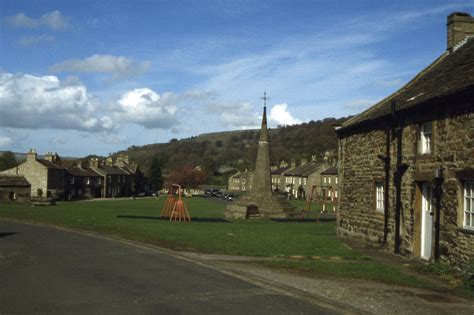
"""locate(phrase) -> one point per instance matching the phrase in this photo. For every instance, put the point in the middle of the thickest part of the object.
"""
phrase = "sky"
(95, 77)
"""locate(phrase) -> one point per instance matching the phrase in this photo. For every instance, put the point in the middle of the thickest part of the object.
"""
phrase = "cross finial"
(265, 98)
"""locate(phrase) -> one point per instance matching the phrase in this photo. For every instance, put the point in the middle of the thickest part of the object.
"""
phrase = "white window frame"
(335, 179)
(379, 197)
(324, 179)
(329, 179)
(468, 201)
(426, 138)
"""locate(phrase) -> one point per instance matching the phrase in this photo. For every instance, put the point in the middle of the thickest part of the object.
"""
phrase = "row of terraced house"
(316, 179)
(49, 178)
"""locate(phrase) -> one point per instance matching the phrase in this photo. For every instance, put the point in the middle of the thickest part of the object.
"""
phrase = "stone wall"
(35, 173)
(361, 167)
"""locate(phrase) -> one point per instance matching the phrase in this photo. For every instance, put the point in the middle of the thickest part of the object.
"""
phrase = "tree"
(187, 176)
(155, 174)
(7, 160)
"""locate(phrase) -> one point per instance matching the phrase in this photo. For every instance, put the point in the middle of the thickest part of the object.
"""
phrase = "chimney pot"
(460, 26)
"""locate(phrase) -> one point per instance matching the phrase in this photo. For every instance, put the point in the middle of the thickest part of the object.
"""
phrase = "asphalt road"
(45, 270)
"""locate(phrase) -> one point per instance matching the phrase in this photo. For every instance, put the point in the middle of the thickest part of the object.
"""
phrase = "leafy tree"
(7, 160)
(155, 174)
(187, 176)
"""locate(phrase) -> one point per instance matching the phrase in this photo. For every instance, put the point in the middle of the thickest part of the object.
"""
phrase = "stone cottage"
(46, 176)
(83, 183)
(115, 181)
(14, 188)
(407, 163)
(240, 182)
(330, 183)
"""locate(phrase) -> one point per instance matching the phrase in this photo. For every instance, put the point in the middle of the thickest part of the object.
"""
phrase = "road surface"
(46, 270)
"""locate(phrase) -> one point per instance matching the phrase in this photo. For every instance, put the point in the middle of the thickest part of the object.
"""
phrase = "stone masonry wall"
(35, 173)
(360, 167)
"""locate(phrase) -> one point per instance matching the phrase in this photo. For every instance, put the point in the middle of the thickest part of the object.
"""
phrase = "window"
(425, 138)
(304, 181)
(379, 201)
(324, 179)
(88, 180)
(469, 205)
(71, 180)
(335, 194)
(329, 179)
(335, 179)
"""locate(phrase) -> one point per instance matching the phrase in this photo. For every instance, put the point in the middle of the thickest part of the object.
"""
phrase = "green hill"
(218, 151)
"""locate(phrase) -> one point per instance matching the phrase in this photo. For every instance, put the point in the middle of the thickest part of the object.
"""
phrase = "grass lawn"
(314, 244)
(209, 232)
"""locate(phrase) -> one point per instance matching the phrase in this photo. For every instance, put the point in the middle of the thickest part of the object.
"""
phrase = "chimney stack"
(109, 161)
(31, 155)
(460, 26)
(49, 156)
(94, 163)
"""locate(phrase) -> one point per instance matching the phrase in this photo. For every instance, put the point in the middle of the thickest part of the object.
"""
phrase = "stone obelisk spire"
(262, 176)
(260, 202)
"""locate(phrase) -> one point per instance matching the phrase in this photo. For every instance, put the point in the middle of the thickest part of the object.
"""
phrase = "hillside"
(221, 151)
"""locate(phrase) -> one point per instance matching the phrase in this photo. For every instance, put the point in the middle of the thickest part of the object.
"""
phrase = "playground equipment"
(333, 198)
(180, 210)
(307, 207)
(169, 204)
(322, 200)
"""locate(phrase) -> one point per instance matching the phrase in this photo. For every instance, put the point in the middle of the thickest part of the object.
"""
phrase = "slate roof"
(82, 172)
(109, 170)
(303, 170)
(13, 181)
(330, 171)
(451, 73)
(280, 170)
(50, 165)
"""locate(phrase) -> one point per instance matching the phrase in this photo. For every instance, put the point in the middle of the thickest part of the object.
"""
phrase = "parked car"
(229, 197)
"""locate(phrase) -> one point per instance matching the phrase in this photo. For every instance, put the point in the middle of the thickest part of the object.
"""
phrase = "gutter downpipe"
(398, 177)
(386, 160)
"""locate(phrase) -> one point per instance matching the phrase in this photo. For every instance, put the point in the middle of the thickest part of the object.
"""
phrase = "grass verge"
(209, 232)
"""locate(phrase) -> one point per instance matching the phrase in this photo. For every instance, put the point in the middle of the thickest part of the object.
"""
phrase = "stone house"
(406, 165)
(330, 183)
(278, 178)
(115, 181)
(299, 180)
(136, 178)
(83, 182)
(240, 182)
(14, 188)
(46, 176)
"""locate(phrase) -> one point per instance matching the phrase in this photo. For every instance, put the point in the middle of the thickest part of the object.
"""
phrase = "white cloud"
(147, 108)
(33, 102)
(280, 115)
(33, 40)
(53, 20)
(5, 141)
(118, 66)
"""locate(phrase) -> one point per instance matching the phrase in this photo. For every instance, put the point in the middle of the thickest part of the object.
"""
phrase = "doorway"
(426, 220)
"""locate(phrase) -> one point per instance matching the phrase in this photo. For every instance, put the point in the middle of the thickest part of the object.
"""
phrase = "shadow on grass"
(4, 234)
(211, 220)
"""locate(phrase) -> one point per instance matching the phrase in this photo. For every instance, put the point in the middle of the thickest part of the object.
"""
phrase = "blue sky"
(95, 77)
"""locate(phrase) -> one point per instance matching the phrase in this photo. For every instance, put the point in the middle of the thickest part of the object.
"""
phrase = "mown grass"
(210, 233)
